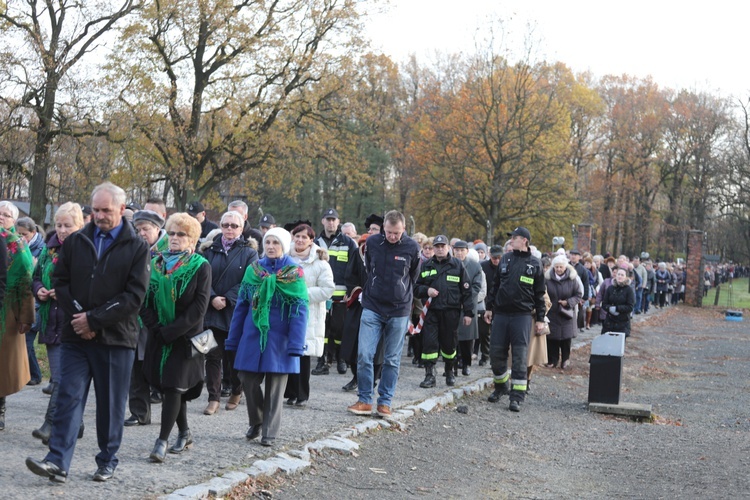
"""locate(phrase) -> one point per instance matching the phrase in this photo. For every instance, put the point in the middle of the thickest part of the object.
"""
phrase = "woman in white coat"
(319, 279)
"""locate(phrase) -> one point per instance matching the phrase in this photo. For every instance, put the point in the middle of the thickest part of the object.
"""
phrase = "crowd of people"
(118, 294)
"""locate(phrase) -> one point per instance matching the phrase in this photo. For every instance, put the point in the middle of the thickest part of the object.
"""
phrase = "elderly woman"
(320, 286)
(268, 332)
(663, 282)
(565, 291)
(618, 303)
(175, 305)
(68, 219)
(230, 255)
(17, 311)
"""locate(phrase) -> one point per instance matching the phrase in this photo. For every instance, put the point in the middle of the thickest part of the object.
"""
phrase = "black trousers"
(334, 330)
(298, 384)
(139, 394)
(484, 336)
(557, 347)
(440, 333)
(215, 362)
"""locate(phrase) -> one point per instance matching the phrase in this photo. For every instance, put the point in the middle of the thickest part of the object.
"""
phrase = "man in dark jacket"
(100, 281)
(489, 267)
(341, 250)
(392, 263)
(443, 281)
(517, 290)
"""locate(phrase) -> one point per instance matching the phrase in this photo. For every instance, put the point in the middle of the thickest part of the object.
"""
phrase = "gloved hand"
(613, 311)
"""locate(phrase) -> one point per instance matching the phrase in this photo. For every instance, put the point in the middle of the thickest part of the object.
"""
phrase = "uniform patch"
(466, 285)
(527, 280)
(398, 257)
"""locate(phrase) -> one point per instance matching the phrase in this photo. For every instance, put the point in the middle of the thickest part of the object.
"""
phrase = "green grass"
(739, 292)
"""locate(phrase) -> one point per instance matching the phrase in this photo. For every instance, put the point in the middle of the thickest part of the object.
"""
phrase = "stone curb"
(293, 461)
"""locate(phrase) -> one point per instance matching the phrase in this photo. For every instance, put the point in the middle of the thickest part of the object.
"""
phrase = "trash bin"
(605, 374)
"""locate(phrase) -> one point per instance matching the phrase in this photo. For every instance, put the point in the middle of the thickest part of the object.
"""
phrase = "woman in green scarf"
(16, 307)
(268, 332)
(176, 302)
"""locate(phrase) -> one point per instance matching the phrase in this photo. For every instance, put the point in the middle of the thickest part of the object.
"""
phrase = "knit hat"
(481, 246)
(282, 235)
(148, 216)
(560, 259)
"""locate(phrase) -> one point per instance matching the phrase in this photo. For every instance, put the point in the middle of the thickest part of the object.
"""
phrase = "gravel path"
(690, 365)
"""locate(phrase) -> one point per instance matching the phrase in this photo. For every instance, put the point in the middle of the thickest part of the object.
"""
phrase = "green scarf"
(44, 269)
(168, 283)
(259, 287)
(18, 285)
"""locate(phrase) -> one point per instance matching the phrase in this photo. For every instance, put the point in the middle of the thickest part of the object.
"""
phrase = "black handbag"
(203, 343)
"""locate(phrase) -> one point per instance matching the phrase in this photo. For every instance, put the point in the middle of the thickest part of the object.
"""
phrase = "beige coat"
(14, 360)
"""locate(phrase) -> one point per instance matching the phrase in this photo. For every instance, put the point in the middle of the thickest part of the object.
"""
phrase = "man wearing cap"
(196, 210)
(575, 261)
(489, 267)
(148, 224)
(392, 265)
(443, 281)
(341, 250)
(266, 223)
(517, 289)
(86, 209)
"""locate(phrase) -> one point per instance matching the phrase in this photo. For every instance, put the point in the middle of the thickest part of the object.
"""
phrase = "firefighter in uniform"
(341, 250)
(517, 289)
(444, 281)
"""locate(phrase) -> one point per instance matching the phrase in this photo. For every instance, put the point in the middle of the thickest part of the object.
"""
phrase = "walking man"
(517, 289)
(392, 264)
(100, 281)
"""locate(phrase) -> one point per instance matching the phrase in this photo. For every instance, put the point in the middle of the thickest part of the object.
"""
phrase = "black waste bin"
(605, 374)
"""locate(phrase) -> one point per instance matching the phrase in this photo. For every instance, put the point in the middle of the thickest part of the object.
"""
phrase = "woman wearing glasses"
(175, 305)
(229, 255)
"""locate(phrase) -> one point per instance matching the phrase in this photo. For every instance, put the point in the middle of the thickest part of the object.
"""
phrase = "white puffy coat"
(320, 286)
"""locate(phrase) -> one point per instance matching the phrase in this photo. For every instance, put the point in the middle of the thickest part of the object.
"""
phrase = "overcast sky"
(697, 46)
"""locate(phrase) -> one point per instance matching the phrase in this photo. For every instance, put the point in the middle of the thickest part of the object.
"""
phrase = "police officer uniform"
(440, 330)
(517, 289)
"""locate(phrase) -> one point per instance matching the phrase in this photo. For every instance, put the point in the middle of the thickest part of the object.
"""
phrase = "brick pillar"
(583, 242)
(694, 269)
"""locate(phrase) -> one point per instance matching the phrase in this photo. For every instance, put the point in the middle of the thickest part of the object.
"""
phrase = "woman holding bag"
(175, 306)
(565, 291)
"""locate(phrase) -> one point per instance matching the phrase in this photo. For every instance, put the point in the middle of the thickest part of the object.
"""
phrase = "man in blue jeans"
(392, 263)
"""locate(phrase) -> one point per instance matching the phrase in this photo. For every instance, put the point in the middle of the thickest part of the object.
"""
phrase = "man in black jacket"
(489, 267)
(444, 282)
(517, 289)
(100, 281)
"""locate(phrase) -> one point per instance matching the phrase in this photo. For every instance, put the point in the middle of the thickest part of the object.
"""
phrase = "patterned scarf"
(171, 273)
(20, 264)
(259, 287)
(44, 269)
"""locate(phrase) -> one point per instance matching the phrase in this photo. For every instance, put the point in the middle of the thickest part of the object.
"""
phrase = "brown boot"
(233, 402)
(213, 407)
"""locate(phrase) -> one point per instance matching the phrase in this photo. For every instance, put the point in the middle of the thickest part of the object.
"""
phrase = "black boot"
(321, 368)
(450, 374)
(45, 430)
(184, 440)
(2, 413)
(352, 385)
(159, 453)
(429, 376)
(500, 391)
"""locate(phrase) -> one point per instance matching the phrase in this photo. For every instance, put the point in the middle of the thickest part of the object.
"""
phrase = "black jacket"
(518, 286)
(109, 289)
(227, 271)
(449, 278)
(249, 231)
(584, 275)
(392, 269)
(341, 250)
(623, 298)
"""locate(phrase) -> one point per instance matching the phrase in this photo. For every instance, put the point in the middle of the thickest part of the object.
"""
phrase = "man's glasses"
(227, 225)
(176, 233)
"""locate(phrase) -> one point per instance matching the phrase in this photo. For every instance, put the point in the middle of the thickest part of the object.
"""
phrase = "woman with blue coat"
(268, 332)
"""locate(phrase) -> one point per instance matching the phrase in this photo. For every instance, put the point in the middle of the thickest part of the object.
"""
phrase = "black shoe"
(515, 406)
(159, 453)
(155, 398)
(104, 473)
(465, 371)
(300, 404)
(351, 386)
(429, 377)
(450, 379)
(267, 441)
(34, 381)
(47, 469)
(290, 401)
(225, 393)
(254, 431)
(48, 389)
(321, 369)
(184, 440)
(500, 391)
(133, 420)
(482, 360)
(341, 367)
(414, 360)
(44, 432)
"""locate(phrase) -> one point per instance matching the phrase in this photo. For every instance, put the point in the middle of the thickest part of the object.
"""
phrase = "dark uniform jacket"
(449, 278)
(341, 251)
(518, 286)
(110, 289)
